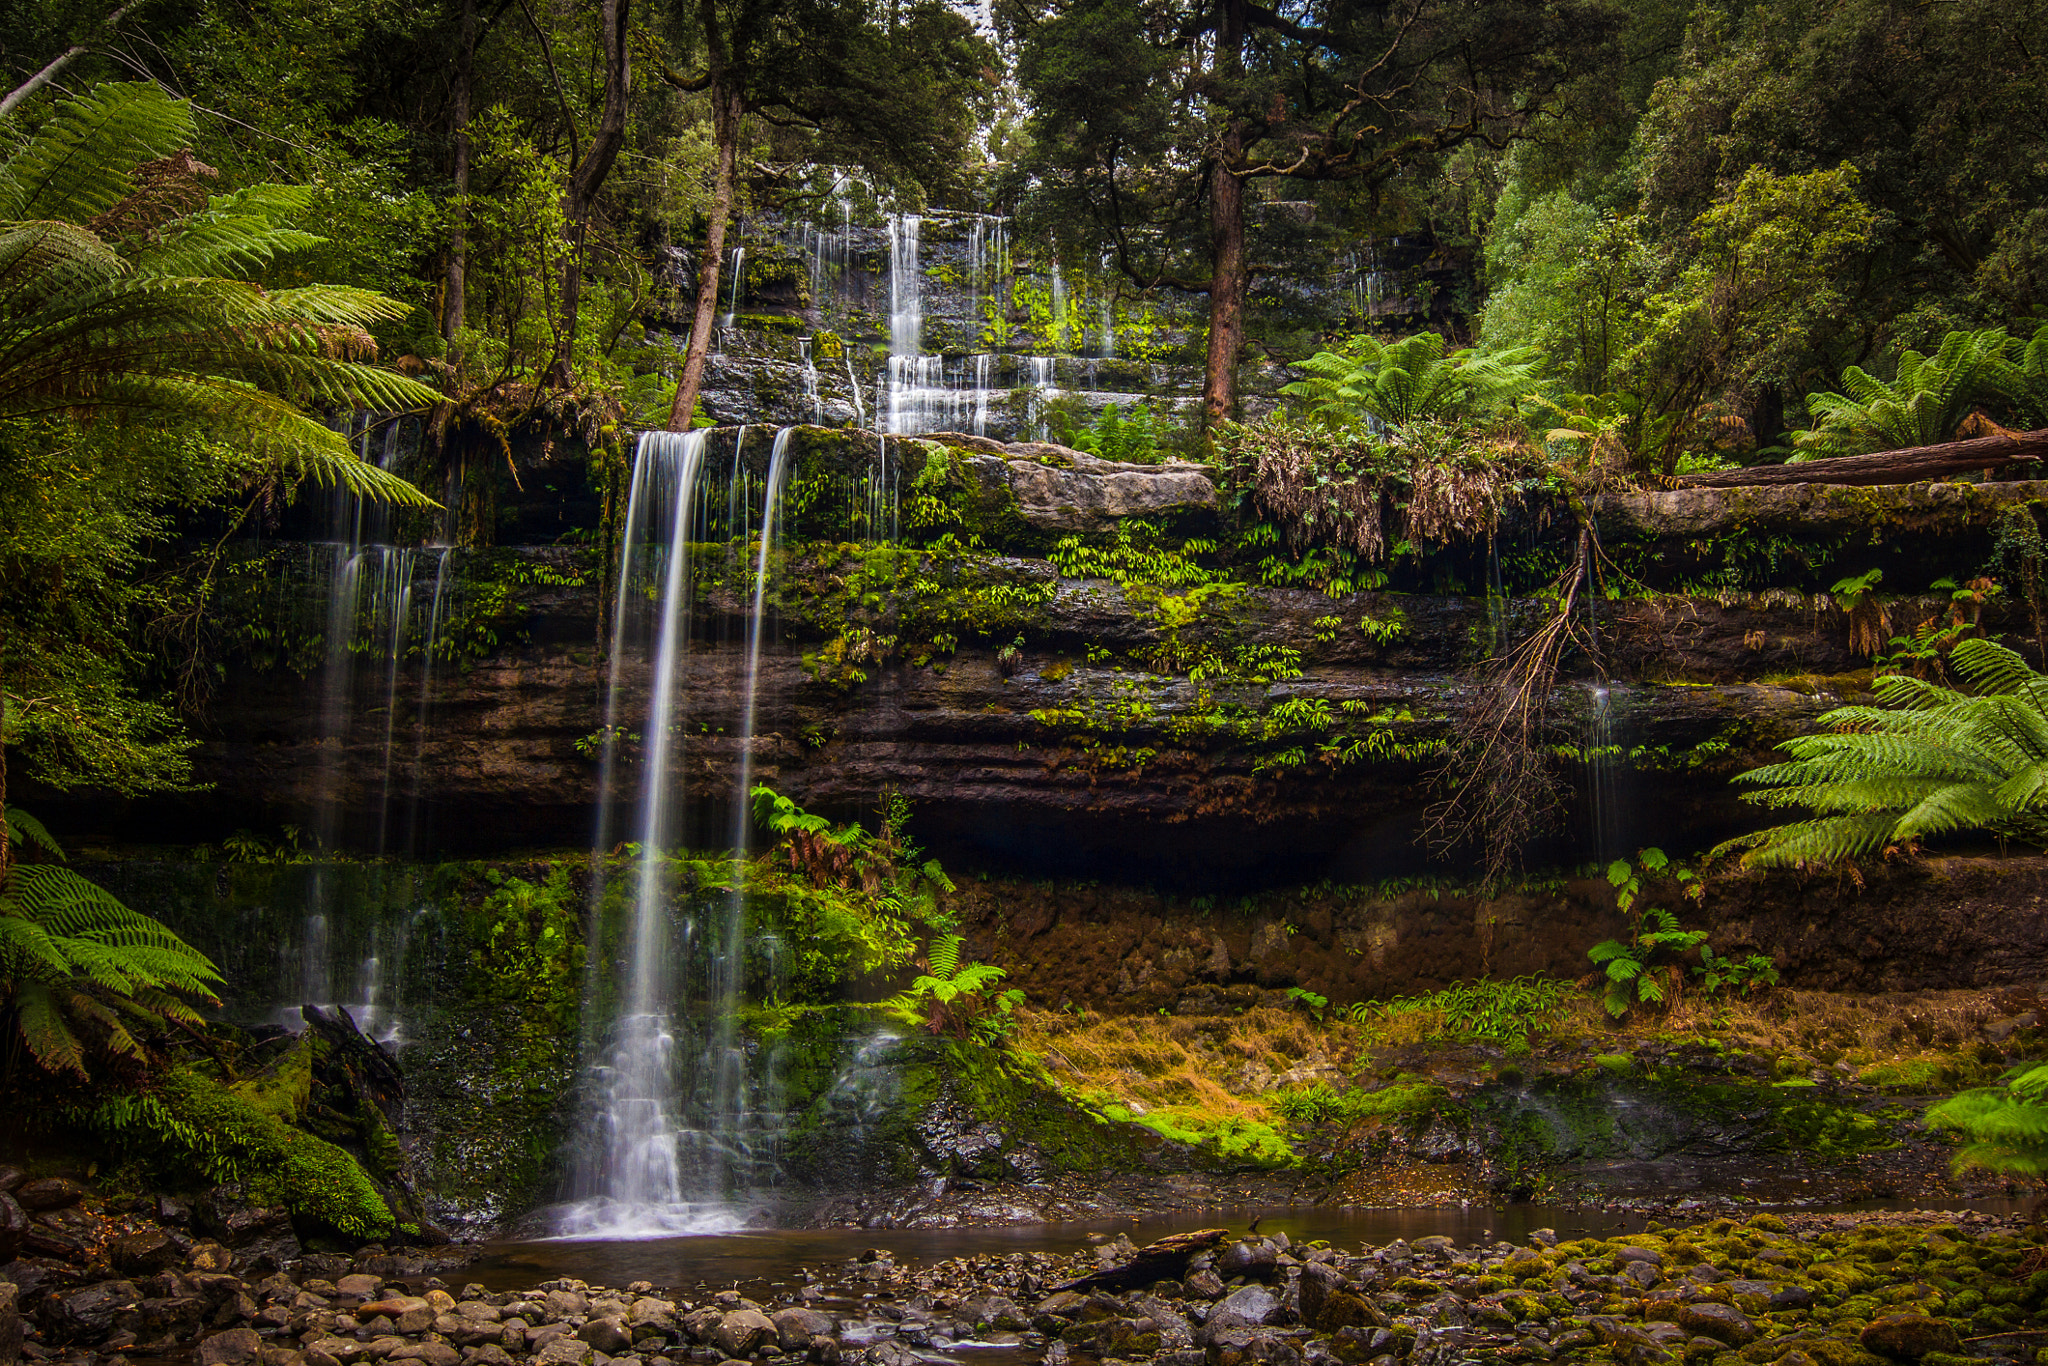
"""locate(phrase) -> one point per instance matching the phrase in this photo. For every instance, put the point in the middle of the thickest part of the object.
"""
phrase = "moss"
(232, 1139)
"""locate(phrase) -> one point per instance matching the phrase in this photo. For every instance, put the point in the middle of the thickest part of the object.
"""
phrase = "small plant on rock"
(957, 1000)
(1639, 972)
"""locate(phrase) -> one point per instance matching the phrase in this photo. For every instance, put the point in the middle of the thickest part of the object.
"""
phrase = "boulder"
(742, 1331)
(359, 1286)
(12, 1329)
(794, 1328)
(1251, 1306)
(52, 1192)
(564, 1304)
(1065, 492)
(1254, 1258)
(87, 1315)
(564, 1351)
(146, 1252)
(610, 1336)
(1909, 1337)
(235, 1347)
(1722, 1322)
(14, 1225)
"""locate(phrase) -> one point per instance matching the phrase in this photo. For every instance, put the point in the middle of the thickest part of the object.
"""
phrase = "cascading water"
(682, 1130)
(1606, 765)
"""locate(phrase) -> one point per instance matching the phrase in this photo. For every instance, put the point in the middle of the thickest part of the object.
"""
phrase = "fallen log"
(1165, 1260)
(1909, 466)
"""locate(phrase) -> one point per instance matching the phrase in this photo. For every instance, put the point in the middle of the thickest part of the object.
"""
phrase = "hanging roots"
(1497, 781)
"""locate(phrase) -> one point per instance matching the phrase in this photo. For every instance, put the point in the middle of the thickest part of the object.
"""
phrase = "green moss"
(232, 1139)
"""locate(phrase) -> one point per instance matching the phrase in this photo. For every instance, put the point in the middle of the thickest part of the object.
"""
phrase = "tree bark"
(1226, 230)
(591, 170)
(1226, 286)
(455, 304)
(1906, 466)
(726, 110)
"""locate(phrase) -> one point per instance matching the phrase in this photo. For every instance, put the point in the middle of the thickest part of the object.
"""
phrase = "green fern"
(1929, 760)
(2022, 381)
(80, 973)
(1397, 383)
(2004, 1127)
(1922, 406)
(957, 1000)
(156, 331)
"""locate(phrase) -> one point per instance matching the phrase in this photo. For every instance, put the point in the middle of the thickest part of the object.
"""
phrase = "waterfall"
(679, 1128)
(1108, 308)
(1606, 763)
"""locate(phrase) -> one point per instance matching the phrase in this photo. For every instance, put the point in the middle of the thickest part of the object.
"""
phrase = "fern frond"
(29, 833)
(944, 955)
(45, 1030)
(80, 163)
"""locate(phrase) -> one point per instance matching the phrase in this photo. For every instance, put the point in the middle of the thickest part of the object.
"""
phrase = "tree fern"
(82, 161)
(1922, 406)
(2022, 381)
(154, 326)
(1929, 760)
(77, 966)
(1396, 383)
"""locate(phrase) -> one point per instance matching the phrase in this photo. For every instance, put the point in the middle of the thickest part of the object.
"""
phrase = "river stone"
(1715, 1320)
(1910, 1336)
(1250, 1257)
(1643, 1274)
(52, 1192)
(609, 1336)
(742, 1331)
(13, 1225)
(1175, 1332)
(235, 1347)
(1250, 1306)
(88, 1314)
(1204, 1284)
(487, 1354)
(794, 1327)
(417, 1319)
(561, 1304)
(825, 1350)
(564, 1351)
(210, 1256)
(431, 1352)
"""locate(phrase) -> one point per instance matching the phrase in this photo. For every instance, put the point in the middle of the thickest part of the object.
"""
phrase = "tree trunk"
(590, 172)
(726, 109)
(1226, 285)
(1907, 466)
(454, 305)
(1226, 229)
(1164, 1260)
